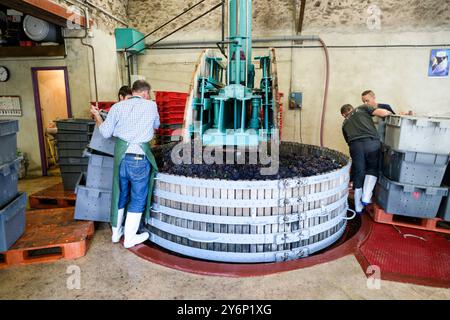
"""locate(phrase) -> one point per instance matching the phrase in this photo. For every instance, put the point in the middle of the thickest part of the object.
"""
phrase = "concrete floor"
(109, 271)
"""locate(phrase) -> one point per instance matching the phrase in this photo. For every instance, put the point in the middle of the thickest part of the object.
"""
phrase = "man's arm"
(96, 113)
(382, 113)
(345, 135)
(106, 128)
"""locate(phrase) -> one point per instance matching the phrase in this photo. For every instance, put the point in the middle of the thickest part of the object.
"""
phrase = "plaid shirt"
(133, 121)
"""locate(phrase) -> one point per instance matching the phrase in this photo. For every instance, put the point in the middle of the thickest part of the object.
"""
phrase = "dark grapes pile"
(291, 165)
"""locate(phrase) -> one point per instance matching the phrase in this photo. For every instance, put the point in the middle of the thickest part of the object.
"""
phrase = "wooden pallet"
(50, 235)
(52, 197)
(429, 224)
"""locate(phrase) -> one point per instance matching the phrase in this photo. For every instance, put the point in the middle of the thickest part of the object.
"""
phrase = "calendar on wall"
(10, 106)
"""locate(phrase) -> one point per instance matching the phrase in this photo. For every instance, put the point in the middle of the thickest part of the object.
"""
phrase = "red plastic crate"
(164, 97)
(176, 108)
(167, 119)
(171, 115)
(169, 132)
(169, 102)
(104, 105)
(171, 95)
(171, 121)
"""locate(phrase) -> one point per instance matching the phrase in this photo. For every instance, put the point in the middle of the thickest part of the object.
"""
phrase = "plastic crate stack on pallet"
(72, 139)
(12, 203)
(94, 188)
(416, 155)
(171, 107)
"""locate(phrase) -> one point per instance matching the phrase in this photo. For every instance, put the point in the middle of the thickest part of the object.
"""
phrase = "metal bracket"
(292, 236)
(292, 255)
(292, 201)
(288, 218)
(291, 183)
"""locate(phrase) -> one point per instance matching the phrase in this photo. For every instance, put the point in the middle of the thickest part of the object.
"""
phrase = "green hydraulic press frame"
(232, 111)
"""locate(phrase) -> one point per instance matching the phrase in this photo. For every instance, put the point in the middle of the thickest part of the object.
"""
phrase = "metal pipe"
(165, 24)
(301, 16)
(205, 46)
(223, 25)
(87, 26)
(128, 56)
(183, 26)
(262, 40)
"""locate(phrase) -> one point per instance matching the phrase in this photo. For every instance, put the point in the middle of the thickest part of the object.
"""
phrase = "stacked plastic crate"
(171, 106)
(12, 203)
(72, 139)
(415, 157)
(94, 188)
(444, 209)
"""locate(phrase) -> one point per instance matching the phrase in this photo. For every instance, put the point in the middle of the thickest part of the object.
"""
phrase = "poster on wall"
(10, 106)
(439, 66)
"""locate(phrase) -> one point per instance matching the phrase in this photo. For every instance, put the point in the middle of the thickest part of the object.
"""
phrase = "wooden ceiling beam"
(45, 10)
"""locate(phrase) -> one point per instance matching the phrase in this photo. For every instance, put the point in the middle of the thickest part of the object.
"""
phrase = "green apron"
(119, 153)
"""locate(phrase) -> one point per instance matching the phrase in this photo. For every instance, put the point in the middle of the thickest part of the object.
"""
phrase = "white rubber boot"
(117, 232)
(131, 227)
(358, 204)
(369, 185)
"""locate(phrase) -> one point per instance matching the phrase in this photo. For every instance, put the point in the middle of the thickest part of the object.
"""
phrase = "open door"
(52, 101)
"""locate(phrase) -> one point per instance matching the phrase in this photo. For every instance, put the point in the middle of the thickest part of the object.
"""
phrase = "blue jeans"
(134, 180)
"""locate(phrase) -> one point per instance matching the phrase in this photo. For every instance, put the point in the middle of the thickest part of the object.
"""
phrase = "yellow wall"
(52, 95)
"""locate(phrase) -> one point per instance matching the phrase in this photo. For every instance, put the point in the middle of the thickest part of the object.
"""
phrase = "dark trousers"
(365, 155)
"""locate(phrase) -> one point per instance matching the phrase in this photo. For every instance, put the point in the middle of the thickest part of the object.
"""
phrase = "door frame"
(37, 104)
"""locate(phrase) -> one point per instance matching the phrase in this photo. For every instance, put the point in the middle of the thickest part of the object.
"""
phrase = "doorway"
(52, 102)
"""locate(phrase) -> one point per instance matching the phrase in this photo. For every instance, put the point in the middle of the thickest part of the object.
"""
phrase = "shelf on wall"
(34, 51)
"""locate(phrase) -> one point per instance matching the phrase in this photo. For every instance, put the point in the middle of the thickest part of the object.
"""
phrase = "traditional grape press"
(278, 218)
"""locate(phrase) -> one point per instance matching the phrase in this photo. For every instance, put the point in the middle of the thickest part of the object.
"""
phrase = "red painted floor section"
(408, 259)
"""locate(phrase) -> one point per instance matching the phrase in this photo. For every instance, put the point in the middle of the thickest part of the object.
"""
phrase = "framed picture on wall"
(10, 106)
(439, 65)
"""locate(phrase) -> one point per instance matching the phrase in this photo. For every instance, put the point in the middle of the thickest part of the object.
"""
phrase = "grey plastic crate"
(73, 168)
(84, 125)
(409, 200)
(73, 161)
(72, 145)
(12, 221)
(93, 204)
(8, 140)
(418, 134)
(65, 153)
(9, 176)
(73, 136)
(101, 144)
(100, 172)
(70, 180)
(425, 169)
(444, 209)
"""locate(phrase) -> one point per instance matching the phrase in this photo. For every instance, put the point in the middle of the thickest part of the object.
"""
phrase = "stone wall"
(270, 15)
(102, 21)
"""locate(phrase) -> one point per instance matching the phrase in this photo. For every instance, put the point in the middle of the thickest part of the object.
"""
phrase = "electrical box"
(295, 100)
(125, 37)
